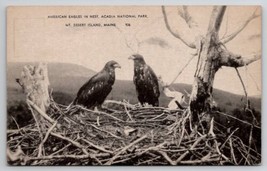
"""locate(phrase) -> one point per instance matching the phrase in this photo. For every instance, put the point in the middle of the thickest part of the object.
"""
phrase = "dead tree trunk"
(208, 65)
(34, 82)
(212, 55)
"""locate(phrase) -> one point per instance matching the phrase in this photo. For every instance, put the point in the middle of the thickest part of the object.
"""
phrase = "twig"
(71, 141)
(97, 147)
(244, 88)
(250, 141)
(187, 17)
(200, 161)
(253, 79)
(165, 155)
(128, 113)
(236, 32)
(226, 26)
(232, 151)
(211, 132)
(103, 113)
(113, 135)
(192, 147)
(148, 161)
(176, 34)
(229, 137)
(77, 157)
(181, 71)
(120, 103)
(36, 121)
(154, 148)
(126, 41)
(45, 138)
(61, 149)
(157, 117)
(40, 111)
(124, 149)
(230, 116)
(15, 122)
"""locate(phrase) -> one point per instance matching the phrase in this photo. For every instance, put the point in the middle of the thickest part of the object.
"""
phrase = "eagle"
(94, 92)
(146, 81)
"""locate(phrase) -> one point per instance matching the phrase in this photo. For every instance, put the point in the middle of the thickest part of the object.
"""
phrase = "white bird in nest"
(178, 98)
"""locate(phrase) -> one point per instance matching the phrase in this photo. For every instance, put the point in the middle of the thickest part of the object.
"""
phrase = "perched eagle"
(145, 81)
(94, 92)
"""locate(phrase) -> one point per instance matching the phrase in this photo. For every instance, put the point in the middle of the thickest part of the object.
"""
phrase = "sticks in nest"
(154, 136)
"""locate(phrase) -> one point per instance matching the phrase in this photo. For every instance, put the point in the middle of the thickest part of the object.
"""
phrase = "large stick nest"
(124, 134)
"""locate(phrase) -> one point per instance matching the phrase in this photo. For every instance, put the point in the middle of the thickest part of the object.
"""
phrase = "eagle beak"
(117, 66)
(131, 57)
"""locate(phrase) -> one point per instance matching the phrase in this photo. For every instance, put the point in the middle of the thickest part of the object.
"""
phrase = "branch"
(45, 138)
(125, 39)
(186, 40)
(165, 155)
(101, 113)
(244, 87)
(125, 148)
(190, 149)
(187, 17)
(71, 141)
(97, 147)
(216, 19)
(244, 24)
(239, 120)
(43, 114)
(234, 60)
(181, 71)
(76, 157)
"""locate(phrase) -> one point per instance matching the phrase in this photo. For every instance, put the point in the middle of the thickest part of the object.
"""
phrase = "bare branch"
(45, 138)
(187, 17)
(239, 120)
(181, 71)
(43, 114)
(97, 147)
(125, 39)
(244, 24)
(186, 40)
(244, 87)
(234, 60)
(165, 155)
(216, 19)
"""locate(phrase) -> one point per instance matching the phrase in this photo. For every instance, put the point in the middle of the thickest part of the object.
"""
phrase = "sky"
(32, 36)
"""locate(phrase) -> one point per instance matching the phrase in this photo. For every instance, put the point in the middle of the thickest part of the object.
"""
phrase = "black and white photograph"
(134, 85)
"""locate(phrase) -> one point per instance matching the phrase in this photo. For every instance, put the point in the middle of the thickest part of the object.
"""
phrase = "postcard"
(133, 85)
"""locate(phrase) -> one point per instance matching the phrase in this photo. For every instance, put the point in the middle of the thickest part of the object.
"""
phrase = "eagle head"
(111, 65)
(137, 58)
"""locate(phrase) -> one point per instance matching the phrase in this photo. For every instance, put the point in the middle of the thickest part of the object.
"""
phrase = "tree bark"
(209, 53)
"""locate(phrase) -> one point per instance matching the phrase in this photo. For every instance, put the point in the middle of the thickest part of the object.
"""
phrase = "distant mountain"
(225, 100)
(66, 79)
(58, 73)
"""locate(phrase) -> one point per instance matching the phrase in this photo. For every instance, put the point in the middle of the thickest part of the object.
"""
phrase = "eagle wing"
(151, 81)
(94, 91)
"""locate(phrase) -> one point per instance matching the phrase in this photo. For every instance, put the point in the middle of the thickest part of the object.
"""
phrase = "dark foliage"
(18, 114)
